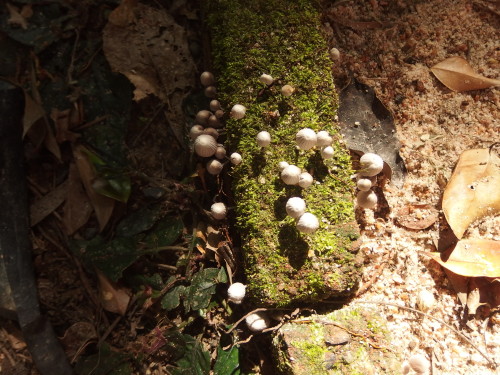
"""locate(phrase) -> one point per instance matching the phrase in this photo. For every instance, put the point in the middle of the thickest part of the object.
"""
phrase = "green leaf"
(228, 362)
(171, 300)
(195, 360)
(165, 232)
(138, 221)
(106, 362)
(203, 284)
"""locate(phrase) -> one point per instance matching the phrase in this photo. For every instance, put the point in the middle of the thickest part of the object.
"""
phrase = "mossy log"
(283, 38)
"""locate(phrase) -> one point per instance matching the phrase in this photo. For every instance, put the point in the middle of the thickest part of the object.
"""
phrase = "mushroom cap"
(218, 211)
(287, 90)
(306, 138)
(210, 91)
(235, 158)
(263, 139)
(266, 79)
(236, 292)
(214, 105)
(282, 165)
(219, 113)
(290, 175)
(305, 180)
(257, 322)
(211, 131)
(202, 117)
(205, 145)
(238, 111)
(195, 131)
(295, 207)
(214, 167)
(425, 300)
(207, 79)
(419, 363)
(371, 164)
(327, 152)
(334, 54)
(364, 184)
(220, 152)
(214, 122)
(367, 199)
(324, 138)
(308, 223)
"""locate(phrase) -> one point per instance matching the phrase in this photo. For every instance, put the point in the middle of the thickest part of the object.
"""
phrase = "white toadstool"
(364, 184)
(205, 145)
(195, 131)
(290, 175)
(202, 117)
(419, 364)
(308, 223)
(212, 132)
(214, 122)
(214, 167)
(266, 79)
(306, 138)
(210, 92)
(218, 211)
(282, 165)
(287, 90)
(257, 322)
(327, 152)
(425, 300)
(334, 54)
(263, 139)
(236, 292)
(219, 113)
(305, 180)
(220, 152)
(235, 158)
(207, 79)
(323, 138)
(215, 105)
(367, 199)
(295, 207)
(238, 111)
(370, 164)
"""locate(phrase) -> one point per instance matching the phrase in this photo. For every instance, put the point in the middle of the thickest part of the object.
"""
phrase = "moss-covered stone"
(283, 39)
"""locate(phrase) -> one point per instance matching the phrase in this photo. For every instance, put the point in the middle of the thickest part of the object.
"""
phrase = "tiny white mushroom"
(334, 54)
(305, 180)
(207, 79)
(218, 211)
(219, 113)
(308, 223)
(287, 90)
(212, 132)
(214, 105)
(214, 167)
(238, 111)
(425, 300)
(290, 175)
(282, 165)
(419, 364)
(367, 199)
(370, 164)
(306, 138)
(210, 92)
(295, 207)
(220, 152)
(205, 145)
(266, 79)
(236, 292)
(257, 322)
(263, 139)
(214, 122)
(235, 158)
(327, 152)
(364, 184)
(323, 138)
(195, 131)
(202, 117)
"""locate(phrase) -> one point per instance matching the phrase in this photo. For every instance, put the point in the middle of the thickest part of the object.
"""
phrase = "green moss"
(282, 38)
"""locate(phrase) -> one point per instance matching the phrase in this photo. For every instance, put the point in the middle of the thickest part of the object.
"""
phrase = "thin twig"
(461, 335)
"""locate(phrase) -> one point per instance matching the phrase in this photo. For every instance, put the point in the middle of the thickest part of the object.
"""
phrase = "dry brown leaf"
(114, 299)
(417, 216)
(460, 284)
(33, 112)
(103, 206)
(474, 298)
(77, 209)
(472, 191)
(47, 204)
(473, 258)
(62, 122)
(456, 74)
(16, 17)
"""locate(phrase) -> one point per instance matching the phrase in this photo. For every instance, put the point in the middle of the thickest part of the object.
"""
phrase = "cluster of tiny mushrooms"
(204, 135)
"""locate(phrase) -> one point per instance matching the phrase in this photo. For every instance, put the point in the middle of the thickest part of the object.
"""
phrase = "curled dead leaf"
(417, 216)
(114, 299)
(456, 74)
(473, 258)
(472, 191)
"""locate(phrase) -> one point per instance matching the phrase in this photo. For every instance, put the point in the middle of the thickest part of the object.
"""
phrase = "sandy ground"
(390, 46)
